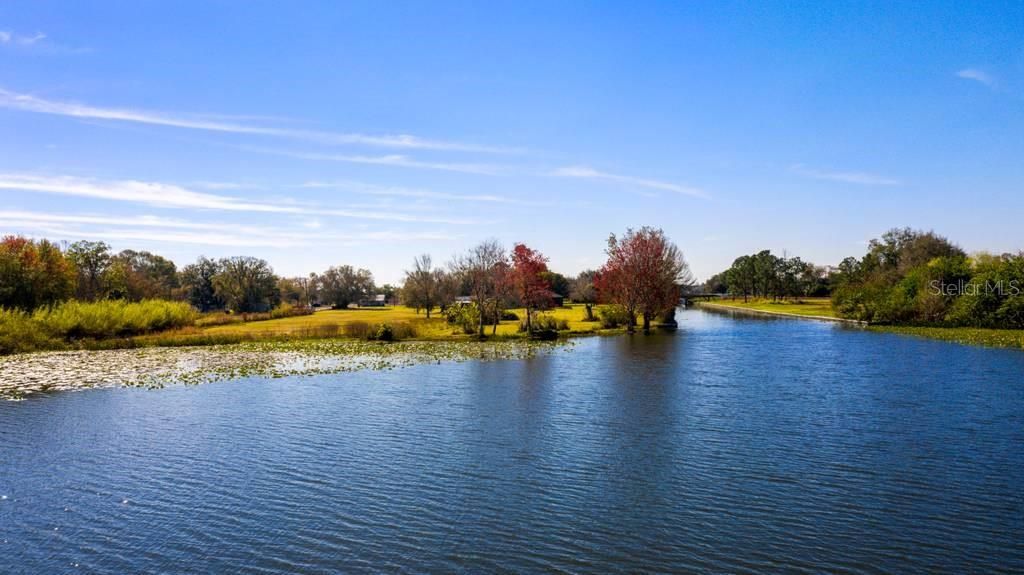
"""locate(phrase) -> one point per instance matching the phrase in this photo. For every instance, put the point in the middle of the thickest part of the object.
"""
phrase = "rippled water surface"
(735, 445)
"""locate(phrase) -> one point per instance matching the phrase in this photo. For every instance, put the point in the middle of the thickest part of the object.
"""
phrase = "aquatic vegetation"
(1013, 338)
(156, 367)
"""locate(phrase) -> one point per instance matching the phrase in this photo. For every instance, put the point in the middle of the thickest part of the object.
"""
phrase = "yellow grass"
(434, 328)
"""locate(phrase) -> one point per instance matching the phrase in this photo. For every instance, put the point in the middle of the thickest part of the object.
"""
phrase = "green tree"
(246, 284)
(344, 285)
(559, 284)
(292, 291)
(198, 282)
(91, 259)
(742, 277)
(718, 283)
(135, 276)
(389, 292)
(901, 279)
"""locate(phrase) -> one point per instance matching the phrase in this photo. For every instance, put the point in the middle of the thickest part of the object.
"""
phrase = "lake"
(736, 445)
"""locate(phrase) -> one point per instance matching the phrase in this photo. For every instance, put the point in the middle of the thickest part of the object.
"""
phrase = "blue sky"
(367, 133)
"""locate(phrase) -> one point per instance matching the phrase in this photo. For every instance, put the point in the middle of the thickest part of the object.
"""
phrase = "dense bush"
(20, 333)
(384, 332)
(289, 310)
(543, 322)
(113, 318)
(53, 327)
(915, 278)
(994, 295)
(466, 317)
(545, 327)
(613, 316)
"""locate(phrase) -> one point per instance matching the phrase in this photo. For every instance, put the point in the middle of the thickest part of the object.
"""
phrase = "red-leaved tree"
(531, 287)
(643, 275)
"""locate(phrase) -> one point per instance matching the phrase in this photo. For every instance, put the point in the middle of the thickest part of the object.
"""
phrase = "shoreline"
(346, 325)
(998, 338)
(731, 308)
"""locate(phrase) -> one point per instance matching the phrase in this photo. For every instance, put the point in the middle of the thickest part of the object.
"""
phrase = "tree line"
(907, 277)
(921, 278)
(642, 279)
(38, 273)
(765, 275)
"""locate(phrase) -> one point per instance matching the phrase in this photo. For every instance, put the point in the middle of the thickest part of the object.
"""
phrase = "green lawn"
(821, 307)
(434, 328)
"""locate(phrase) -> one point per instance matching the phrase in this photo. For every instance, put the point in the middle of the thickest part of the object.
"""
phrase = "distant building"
(463, 300)
(379, 300)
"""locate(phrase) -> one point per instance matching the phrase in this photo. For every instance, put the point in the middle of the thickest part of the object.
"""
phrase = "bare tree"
(583, 291)
(447, 288)
(422, 287)
(479, 268)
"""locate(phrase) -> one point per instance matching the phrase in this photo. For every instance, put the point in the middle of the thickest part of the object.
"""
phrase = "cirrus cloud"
(586, 172)
(164, 195)
(861, 178)
(977, 76)
(30, 103)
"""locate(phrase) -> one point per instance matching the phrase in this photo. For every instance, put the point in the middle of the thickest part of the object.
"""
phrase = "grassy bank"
(120, 325)
(820, 308)
(74, 324)
(331, 323)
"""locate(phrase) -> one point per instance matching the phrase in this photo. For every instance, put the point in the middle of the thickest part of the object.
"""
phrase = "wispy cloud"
(586, 172)
(388, 160)
(151, 193)
(30, 103)
(978, 76)
(369, 189)
(172, 196)
(8, 37)
(220, 186)
(862, 178)
(167, 230)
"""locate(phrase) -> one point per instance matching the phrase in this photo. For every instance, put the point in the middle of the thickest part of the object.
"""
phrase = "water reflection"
(734, 445)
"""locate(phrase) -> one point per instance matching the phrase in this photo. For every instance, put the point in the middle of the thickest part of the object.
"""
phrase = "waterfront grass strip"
(811, 308)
